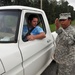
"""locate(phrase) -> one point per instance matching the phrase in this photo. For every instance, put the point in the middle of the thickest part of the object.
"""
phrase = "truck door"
(37, 53)
(10, 57)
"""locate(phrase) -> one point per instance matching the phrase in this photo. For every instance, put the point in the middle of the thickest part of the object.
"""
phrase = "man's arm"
(57, 24)
(39, 36)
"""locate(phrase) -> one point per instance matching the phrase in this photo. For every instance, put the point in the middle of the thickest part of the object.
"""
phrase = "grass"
(52, 26)
(73, 22)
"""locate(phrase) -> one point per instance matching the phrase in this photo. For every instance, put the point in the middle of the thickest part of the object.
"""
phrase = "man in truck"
(32, 30)
(65, 45)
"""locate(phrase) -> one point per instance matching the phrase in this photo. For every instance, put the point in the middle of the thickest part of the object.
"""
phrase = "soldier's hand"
(57, 23)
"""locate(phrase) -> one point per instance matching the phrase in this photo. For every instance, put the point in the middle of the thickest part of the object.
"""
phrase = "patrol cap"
(64, 16)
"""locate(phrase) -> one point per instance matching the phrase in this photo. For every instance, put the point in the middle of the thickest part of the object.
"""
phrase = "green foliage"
(73, 22)
(52, 27)
(52, 8)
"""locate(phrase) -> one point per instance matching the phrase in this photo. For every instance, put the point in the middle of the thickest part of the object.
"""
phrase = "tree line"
(52, 8)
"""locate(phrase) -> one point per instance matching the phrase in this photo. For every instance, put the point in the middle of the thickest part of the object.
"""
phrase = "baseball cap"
(64, 16)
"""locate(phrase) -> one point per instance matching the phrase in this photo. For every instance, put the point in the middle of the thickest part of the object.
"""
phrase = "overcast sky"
(71, 2)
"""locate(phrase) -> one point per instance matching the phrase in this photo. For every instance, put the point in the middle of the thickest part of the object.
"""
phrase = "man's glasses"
(62, 20)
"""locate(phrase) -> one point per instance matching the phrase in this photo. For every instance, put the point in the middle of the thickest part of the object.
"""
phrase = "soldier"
(65, 45)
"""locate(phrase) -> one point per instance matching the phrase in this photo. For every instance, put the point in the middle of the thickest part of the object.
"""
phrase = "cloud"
(72, 3)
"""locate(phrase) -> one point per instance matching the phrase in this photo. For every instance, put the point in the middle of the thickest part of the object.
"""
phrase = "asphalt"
(51, 69)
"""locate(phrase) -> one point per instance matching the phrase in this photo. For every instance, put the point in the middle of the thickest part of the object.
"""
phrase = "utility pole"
(41, 4)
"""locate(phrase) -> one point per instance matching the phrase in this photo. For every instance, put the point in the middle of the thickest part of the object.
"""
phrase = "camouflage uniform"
(65, 51)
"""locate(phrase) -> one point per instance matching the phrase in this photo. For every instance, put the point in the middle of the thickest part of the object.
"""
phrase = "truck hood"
(8, 54)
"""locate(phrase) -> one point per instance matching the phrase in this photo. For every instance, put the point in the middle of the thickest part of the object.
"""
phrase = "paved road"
(51, 69)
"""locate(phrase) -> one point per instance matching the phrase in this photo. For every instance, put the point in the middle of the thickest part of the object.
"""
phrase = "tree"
(52, 13)
(52, 8)
(46, 8)
(35, 3)
(5, 2)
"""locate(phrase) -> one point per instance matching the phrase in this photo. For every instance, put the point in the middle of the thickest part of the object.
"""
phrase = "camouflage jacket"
(65, 46)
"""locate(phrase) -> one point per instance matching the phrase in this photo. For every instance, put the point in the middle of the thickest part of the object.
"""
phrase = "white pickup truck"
(18, 57)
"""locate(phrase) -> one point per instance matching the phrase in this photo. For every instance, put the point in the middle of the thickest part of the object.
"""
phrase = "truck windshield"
(9, 22)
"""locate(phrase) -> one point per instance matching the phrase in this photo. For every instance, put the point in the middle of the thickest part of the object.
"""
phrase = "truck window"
(40, 23)
(9, 20)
